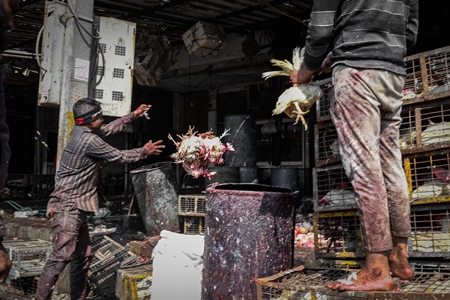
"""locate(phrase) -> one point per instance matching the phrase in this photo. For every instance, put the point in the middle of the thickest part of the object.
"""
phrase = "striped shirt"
(369, 34)
(79, 168)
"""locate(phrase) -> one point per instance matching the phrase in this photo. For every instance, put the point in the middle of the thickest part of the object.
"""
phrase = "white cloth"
(177, 267)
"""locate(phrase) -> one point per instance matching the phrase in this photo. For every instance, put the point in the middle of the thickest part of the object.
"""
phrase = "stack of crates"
(192, 210)
(28, 257)
(425, 145)
(107, 257)
(337, 232)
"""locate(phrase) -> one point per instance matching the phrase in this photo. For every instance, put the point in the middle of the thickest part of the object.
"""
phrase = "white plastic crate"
(28, 256)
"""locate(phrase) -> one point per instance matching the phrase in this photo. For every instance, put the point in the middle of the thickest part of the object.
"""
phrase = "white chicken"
(296, 101)
(436, 133)
(196, 151)
(338, 197)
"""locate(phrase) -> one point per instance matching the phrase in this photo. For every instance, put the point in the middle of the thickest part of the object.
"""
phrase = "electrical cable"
(36, 50)
(283, 13)
(77, 20)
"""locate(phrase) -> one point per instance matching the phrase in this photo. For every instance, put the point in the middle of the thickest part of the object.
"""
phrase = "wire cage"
(193, 224)
(323, 105)
(308, 284)
(427, 76)
(28, 255)
(338, 235)
(108, 257)
(326, 144)
(430, 235)
(332, 189)
(324, 263)
(428, 177)
(191, 205)
(425, 127)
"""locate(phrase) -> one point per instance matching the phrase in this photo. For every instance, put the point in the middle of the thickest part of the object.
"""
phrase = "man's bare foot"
(365, 280)
(398, 260)
(400, 267)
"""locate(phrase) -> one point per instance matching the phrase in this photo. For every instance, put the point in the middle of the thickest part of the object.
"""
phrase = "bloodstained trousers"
(366, 113)
(71, 243)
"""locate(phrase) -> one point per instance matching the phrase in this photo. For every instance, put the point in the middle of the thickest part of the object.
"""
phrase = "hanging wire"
(282, 12)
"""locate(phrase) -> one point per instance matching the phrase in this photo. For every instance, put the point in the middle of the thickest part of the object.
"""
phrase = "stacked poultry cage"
(425, 145)
(337, 232)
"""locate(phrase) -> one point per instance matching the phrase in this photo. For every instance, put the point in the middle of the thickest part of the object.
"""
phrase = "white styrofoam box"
(49, 93)
(154, 55)
(114, 71)
(204, 38)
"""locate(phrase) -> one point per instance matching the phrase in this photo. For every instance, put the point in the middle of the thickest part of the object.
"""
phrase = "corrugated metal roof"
(171, 18)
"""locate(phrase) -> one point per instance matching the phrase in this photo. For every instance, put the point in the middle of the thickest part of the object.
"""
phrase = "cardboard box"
(204, 39)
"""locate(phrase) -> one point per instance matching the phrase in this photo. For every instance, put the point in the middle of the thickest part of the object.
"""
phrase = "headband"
(89, 117)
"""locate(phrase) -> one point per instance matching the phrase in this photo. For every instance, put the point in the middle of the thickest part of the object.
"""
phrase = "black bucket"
(286, 177)
(224, 174)
(249, 232)
(248, 175)
(242, 136)
(156, 192)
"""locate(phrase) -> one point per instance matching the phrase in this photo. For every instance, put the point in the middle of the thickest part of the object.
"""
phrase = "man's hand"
(154, 148)
(326, 64)
(5, 263)
(142, 110)
(302, 76)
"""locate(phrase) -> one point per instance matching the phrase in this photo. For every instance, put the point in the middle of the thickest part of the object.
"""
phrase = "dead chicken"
(195, 151)
(296, 101)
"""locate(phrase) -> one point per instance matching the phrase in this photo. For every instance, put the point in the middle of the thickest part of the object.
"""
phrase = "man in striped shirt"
(75, 194)
(368, 40)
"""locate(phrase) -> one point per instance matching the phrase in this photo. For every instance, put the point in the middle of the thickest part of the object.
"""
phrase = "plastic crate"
(193, 224)
(326, 145)
(430, 235)
(332, 189)
(28, 256)
(191, 205)
(309, 284)
(323, 105)
(107, 257)
(427, 76)
(134, 283)
(425, 127)
(338, 235)
(428, 177)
